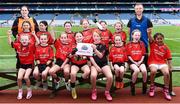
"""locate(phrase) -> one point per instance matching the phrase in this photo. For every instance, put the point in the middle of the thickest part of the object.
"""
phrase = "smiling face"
(85, 24)
(159, 40)
(139, 9)
(24, 11)
(118, 40)
(67, 27)
(136, 36)
(96, 37)
(42, 27)
(104, 25)
(118, 27)
(79, 37)
(26, 26)
(43, 39)
(24, 39)
(64, 38)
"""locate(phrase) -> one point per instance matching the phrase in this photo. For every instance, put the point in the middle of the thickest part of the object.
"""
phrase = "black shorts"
(79, 65)
(102, 64)
(26, 66)
(119, 64)
(59, 62)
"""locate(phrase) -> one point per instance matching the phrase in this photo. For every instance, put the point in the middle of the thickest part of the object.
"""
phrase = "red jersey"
(136, 50)
(106, 37)
(122, 34)
(78, 59)
(71, 38)
(118, 54)
(159, 54)
(50, 39)
(44, 53)
(32, 39)
(25, 53)
(87, 36)
(62, 50)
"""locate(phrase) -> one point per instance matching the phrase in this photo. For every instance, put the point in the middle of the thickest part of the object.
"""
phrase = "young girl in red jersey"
(44, 56)
(159, 59)
(78, 63)
(117, 58)
(136, 52)
(25, 50)
(119, 31)
(106, 34)
(87, 31)
(43, 29)
(68, 31)
(62, 51)
(100, 65)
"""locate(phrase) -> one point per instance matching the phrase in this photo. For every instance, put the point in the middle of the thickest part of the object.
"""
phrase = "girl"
(136, 52)
(44, 56)
(78, 63)
(43, 29)
(62, 51)
(106, 34)
(87, 31)
(159, 59)
(117, 58)
(68, 31)
(119, 31)
(100, 65)
(25, 50)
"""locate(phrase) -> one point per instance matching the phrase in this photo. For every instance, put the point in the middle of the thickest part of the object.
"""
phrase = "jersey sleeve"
(127, 50)
(14, 28)
(149, 23)
(56, 43)
(15, 45)
(143, 48)
(51, 40)
(129, 23)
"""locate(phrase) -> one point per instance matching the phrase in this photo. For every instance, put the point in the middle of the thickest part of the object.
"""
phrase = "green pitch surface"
(172, 39)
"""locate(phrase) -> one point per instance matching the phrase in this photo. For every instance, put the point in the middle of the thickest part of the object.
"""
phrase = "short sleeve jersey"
(159, 54)
(118, 54)
(136, 50)
(25, 53)
(44, 53)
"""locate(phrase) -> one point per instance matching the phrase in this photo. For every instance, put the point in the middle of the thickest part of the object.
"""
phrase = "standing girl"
(136, 52)
(117, 58)
(100, 65)
(68, 31)
(159, 59)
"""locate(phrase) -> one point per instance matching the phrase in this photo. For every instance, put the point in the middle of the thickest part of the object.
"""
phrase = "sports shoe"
(73, 93)
(20, 93)
(94, 94)
(67, 84)
(108, 96)
(166, 94)
(45, 86)
(121, 84)
(151, 90)
(117, 84)
(29, 93)
(38, 83)
(57, 83)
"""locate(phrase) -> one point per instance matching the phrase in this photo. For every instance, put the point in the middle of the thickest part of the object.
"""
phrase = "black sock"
(72, 85)
(45, 81)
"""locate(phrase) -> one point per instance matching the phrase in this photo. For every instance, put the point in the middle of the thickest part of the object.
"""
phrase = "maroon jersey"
(122, 34)
(50, 39)
(118, 54)
(32, 39)
(136, 50)
(25, 53)
(44, 53)
(106, 37)
(62, 50)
